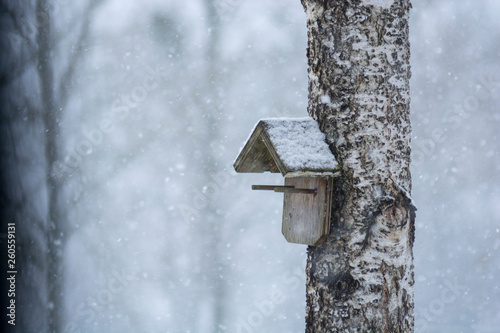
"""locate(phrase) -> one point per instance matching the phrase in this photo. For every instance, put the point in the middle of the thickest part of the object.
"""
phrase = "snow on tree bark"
(361, 278)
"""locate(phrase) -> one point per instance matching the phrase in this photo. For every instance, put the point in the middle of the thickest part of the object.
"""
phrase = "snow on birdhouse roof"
(286, 145)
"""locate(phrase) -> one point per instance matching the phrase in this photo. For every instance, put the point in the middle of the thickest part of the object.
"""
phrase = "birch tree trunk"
(361, 278)
(56, 230)
(55, 92)
(213, 251)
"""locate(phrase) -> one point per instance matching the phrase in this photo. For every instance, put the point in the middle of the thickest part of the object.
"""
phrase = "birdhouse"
(295, 147)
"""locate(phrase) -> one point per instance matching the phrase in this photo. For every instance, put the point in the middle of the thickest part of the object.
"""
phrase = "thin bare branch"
(67, 77)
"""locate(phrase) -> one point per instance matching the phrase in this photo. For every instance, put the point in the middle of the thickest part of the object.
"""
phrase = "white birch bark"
(361, 278)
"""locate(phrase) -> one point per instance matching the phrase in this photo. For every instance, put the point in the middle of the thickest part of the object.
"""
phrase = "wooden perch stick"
(283, 189)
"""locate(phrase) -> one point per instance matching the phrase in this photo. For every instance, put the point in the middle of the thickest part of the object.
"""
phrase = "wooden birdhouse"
(295, 147)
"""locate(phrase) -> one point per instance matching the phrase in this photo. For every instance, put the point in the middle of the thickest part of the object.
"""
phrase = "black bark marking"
(342, 286)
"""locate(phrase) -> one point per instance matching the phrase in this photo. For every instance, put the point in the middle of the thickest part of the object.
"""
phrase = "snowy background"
(163, 236)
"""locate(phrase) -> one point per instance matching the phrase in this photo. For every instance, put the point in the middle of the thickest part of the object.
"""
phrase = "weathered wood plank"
(272, 150)
(255, 156)
(306, 218)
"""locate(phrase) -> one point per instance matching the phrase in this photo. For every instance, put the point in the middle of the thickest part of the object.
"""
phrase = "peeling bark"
(361, 278)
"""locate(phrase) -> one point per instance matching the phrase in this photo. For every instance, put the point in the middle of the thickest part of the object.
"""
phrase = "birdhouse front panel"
(306, 216)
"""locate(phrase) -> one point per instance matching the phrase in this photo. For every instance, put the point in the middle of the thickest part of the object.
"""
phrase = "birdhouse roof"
(286, 145)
